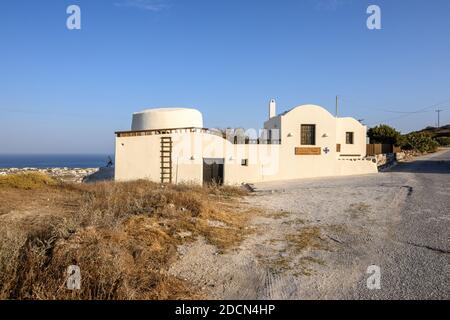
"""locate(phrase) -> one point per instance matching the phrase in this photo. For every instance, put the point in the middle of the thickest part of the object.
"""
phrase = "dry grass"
(26, 181)
(356, 210)
(304, 241)
(278, 214)
(307, 238)
(123, 236)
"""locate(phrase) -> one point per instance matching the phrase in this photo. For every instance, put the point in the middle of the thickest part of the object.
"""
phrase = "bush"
(384, 134)
(123, 236)
(27, 181)
(443, 141)
(420, 142)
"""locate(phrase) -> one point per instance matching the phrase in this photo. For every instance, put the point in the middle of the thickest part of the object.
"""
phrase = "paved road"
(415, 258)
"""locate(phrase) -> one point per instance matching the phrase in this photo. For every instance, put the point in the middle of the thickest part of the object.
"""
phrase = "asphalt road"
(415, 257)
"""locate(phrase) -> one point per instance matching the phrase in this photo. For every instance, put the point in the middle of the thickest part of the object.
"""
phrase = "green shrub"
(384, 134)
(443, 141)
(419, 141)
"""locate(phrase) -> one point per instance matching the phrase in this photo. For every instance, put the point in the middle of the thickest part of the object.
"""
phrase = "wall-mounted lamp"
(325, 135)
(289, 135)
(192, 158)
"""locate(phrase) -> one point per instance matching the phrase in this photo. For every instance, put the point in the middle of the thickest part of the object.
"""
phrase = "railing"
(138, 133)
(232, 139)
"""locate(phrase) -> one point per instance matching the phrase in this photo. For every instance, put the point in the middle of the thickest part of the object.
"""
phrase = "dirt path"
(315, 240)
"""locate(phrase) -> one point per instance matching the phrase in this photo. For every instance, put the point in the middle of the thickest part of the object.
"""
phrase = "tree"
(384, 134)
(420, 141)
(443, 141)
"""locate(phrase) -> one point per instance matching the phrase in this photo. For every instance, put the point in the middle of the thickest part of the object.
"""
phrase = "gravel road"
(317, 237)
(415, 258)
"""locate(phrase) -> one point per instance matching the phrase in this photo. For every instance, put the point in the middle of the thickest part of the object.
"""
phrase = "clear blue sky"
(65, 91)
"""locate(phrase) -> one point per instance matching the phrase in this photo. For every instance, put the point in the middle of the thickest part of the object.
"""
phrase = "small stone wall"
(385, 159)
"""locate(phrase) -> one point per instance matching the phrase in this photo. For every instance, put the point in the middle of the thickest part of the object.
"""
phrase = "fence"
(378, 148)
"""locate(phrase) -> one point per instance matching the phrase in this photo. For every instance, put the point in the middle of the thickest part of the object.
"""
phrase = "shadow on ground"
(423, 166)
(103, 174)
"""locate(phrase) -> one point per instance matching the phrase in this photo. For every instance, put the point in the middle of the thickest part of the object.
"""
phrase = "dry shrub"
(26, 181)
(12, 241)
(300, 245)
(123, 236)
(308, 238)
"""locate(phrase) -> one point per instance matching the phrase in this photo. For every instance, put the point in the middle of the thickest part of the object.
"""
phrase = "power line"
(422, 110)
(405, 114)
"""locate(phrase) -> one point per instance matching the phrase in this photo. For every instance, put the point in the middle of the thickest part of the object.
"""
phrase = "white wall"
(139, 157)
(359, 135)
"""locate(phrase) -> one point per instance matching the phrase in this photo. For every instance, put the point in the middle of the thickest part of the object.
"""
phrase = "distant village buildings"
(171, 145)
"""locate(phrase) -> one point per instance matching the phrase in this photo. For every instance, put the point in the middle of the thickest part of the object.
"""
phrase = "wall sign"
(311, 151)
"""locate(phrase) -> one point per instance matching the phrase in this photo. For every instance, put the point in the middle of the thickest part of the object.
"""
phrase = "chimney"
(272, 109)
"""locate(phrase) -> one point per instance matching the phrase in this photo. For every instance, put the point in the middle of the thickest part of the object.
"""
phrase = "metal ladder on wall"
(166, 159)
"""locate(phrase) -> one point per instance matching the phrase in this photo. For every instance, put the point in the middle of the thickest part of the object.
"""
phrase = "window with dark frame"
(308, 134)
(349, 137)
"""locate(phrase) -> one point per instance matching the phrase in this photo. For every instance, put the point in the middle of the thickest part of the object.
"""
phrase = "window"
(308, 134)
(244, 162)
(349, 137)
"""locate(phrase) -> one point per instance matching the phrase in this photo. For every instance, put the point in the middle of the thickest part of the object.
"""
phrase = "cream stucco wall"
(166, 118)
(359, 135)
(139, 157)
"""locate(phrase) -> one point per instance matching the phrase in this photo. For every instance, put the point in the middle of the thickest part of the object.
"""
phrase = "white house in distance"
(171, 145)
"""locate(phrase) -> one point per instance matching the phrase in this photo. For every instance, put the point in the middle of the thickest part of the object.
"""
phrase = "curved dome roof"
(167, 118)
(308, 106)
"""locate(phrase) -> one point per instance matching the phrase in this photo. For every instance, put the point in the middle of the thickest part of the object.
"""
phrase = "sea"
(54, 160)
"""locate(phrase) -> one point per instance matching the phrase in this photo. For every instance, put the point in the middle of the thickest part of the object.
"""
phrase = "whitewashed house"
(171, 145)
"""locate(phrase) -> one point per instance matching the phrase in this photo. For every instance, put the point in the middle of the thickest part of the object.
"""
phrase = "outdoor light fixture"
(325, 135)
(289, 135)
(192, 158)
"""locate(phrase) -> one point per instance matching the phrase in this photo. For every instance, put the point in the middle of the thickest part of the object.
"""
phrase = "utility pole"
(337, 106)
(438, 112)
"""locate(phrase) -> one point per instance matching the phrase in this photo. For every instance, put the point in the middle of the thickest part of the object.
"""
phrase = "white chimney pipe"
(272, 109)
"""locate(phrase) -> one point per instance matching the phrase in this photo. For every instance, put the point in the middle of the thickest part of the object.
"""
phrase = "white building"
(171, 145)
